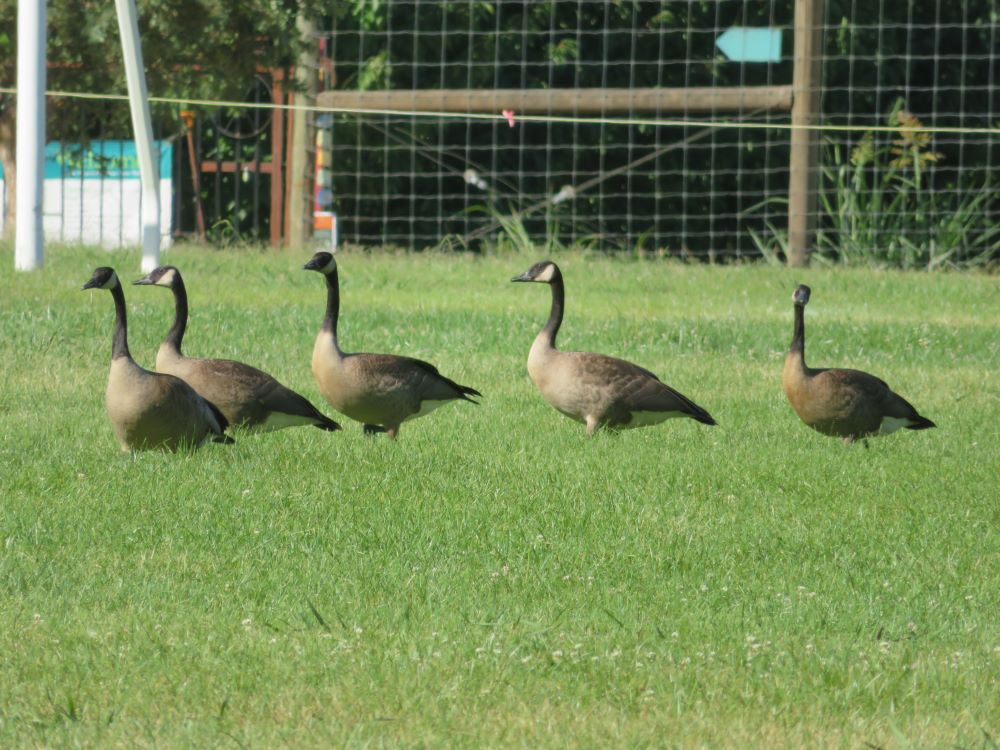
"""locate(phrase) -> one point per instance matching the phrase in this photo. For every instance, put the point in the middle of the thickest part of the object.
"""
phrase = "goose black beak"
(526, 276)
(92, 284)
(144, 281)
(312, 265)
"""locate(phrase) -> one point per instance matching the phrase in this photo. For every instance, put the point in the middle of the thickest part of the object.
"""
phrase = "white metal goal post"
(31, 39)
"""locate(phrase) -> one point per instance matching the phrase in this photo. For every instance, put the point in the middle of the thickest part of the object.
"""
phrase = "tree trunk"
(8, 131)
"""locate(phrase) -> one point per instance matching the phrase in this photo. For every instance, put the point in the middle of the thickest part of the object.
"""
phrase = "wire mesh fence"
(912, 197)
(411, 181)
(893, 180)
(692, 190)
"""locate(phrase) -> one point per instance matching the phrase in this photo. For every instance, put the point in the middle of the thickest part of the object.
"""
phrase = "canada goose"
(248, 397)
(379, 390)
(848, 404)
(149, 409)
(591, 388)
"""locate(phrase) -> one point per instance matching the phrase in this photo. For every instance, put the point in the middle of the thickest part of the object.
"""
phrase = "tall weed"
(880, 205)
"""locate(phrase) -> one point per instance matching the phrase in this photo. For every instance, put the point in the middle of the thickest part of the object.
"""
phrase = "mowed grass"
(495, 578)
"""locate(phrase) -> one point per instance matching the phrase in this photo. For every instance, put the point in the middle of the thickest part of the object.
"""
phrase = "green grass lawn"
(495, 578)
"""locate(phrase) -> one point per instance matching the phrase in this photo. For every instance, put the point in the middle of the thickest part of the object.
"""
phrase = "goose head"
(163, 276)
(103, 278)
(544, 272)
(323, 262)
(801, 295)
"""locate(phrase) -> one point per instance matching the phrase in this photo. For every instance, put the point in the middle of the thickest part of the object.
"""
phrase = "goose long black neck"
(332, 303)
(119, 346)
(551, 328)
(799, 333)
(176, 333)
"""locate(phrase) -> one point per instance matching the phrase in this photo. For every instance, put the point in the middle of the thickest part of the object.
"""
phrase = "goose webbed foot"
(371, 430)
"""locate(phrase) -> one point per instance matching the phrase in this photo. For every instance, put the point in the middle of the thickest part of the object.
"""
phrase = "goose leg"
(392, 432)
(373, 429)
(592, 425)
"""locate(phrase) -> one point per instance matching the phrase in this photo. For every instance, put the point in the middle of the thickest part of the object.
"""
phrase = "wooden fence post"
(298, 227)
(803, 173)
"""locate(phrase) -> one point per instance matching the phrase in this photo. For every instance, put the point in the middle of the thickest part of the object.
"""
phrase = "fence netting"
(893, 182)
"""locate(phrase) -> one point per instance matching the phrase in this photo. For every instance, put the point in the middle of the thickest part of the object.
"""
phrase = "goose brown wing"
(276, 397)
(464, 391)
(221, 423)
(636, 389)
(247, 384)
(874, 393)
(656, 396)
(186, 404)
(242, 379)
(416, 374)
(612, 368)
(865, 382)
(852, 403)
(420, 363)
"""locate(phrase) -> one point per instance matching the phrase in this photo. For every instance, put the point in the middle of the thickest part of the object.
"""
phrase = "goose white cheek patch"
(546, 275)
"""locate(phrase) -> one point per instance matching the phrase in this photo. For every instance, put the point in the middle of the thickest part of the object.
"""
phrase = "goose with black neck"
(379, 390)
(849, 404)
(599, 391)
(148, 409)
(250, 398)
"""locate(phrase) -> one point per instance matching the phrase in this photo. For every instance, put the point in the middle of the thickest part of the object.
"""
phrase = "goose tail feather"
(466, 391)
(920, 423)
(219, 416)
(325, 423)
(704, 417)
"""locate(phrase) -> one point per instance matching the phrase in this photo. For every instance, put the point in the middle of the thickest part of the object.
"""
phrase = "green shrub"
(879, 205)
